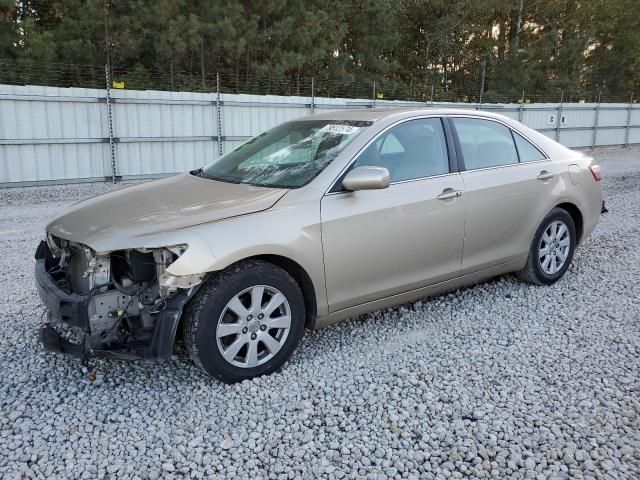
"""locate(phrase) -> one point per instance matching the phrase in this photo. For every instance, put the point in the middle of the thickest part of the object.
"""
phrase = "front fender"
(292, 232)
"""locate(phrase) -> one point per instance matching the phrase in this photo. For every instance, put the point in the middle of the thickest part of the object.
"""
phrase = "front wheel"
(245, 322)
(551, 250)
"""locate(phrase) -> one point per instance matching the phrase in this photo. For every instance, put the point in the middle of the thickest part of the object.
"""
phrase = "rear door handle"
(448, 193)
(544, 175)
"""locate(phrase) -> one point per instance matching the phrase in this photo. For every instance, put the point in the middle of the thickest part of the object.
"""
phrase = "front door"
(378, 243)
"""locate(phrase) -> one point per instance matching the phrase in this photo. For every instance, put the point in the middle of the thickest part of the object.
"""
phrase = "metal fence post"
(559, 116)
(594, 139)
(432, 94)
(112, 147)
(629, 112)
(313, 96)
(521, 111)
(218, 115)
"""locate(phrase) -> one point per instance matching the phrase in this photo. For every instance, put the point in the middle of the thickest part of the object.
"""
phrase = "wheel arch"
(303, 280)
(299, 274)
(292, 267)
(577, 217)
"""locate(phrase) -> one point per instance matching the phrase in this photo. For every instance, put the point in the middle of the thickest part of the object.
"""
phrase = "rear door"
(379, 243)
(508, 184)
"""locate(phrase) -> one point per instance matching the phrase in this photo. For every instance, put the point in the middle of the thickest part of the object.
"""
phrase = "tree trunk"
(502, 40)
(202, 74)
(444, 70)
(426, 63)
(173, 87)
(247, 62)
(270, 67)
(238, 73)
(515, 46)
(482, 74)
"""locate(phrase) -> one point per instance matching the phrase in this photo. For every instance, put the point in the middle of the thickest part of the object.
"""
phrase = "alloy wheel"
(253, 326)
(554, 247)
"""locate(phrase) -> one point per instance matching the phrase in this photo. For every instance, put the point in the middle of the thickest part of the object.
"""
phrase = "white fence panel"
(574, 138)
(579, 116)
(52, 134)
(611, 136)
(248, 115)
(634, 136)
(613, 114)
(162, 132)
(541, 117)
(511, 113)
(58, 135)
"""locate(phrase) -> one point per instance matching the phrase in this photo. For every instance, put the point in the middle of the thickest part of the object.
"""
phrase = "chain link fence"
(22, 72)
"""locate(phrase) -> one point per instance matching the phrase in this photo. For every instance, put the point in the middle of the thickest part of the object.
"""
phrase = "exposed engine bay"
(125, 294)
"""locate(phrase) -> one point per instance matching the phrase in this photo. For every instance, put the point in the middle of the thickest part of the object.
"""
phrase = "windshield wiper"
(201, 173)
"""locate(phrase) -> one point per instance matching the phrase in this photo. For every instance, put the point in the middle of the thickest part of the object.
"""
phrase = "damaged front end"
(120, 304)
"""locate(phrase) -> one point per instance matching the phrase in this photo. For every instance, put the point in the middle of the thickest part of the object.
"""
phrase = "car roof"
(375, 114)
(389, 115)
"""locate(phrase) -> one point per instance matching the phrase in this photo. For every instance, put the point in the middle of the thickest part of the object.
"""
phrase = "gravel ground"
(502, 380)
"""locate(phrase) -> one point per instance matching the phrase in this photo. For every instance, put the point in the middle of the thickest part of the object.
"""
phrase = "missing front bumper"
(70, 311)
(54, 342)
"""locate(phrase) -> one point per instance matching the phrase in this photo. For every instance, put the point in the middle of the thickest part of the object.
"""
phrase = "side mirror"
(366, 178)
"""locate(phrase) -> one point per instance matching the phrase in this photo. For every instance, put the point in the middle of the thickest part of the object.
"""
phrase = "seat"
(493, 153)
(370, 157)
(422, 158)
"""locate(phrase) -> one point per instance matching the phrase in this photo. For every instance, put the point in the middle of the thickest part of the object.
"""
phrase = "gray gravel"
(502, 380)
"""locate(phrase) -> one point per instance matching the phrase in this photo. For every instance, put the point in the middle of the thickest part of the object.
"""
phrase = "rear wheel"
(245, 322)
(551, 250)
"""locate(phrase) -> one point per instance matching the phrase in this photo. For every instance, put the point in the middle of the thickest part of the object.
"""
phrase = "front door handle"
(448, 193)
(544, 175)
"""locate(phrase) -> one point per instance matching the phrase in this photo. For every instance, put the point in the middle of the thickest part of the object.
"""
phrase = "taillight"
(595, 171)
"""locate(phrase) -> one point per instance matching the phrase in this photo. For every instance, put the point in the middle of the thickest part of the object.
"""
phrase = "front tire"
(552, 249)
(245, 322)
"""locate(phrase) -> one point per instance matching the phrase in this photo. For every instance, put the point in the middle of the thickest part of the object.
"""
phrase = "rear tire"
(551, 250)
(245, 322)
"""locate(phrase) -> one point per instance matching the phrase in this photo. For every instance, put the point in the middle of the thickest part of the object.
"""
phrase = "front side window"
(485, 143)
(413, 149)
(288, 156)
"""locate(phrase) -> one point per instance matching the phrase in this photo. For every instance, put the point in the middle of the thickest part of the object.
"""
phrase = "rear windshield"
(288, 156)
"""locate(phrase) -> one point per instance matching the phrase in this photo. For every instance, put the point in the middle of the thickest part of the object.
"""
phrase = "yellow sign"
(379, 95)
(118, 84)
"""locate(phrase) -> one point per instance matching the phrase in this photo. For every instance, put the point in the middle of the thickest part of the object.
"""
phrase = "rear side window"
(485, 143)
(526, 151)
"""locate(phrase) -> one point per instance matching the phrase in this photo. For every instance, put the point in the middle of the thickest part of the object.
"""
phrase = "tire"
(258, 342)
(540, 271)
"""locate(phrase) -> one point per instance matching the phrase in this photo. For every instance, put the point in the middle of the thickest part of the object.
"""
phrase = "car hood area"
(138, 212)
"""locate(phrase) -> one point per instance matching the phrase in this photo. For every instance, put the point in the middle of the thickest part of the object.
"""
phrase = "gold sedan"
(317, 220)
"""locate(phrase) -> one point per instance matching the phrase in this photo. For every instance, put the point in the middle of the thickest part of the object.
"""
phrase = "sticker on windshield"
(339, 129)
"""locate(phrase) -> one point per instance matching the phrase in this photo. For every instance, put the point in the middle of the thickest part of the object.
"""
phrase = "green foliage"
(136, 78)
(408, 47)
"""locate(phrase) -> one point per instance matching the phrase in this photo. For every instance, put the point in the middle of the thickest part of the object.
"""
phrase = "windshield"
(288, 156)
